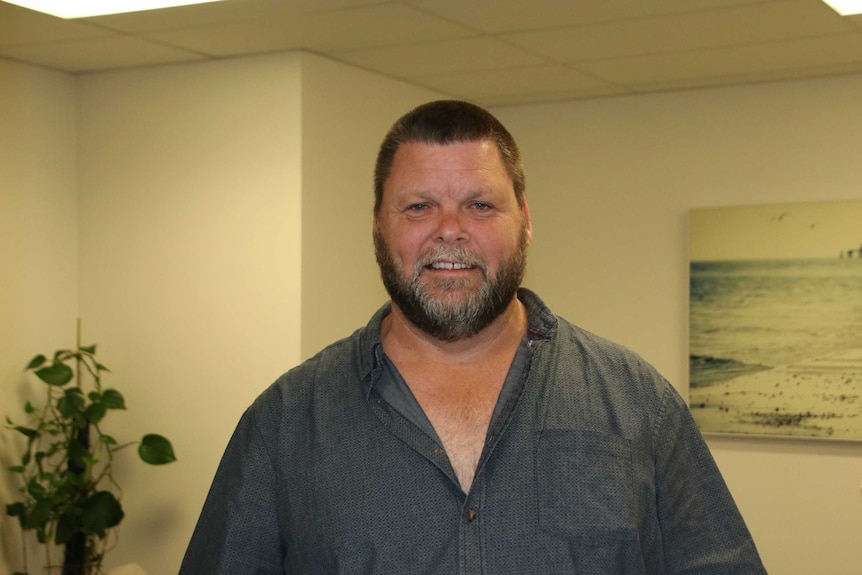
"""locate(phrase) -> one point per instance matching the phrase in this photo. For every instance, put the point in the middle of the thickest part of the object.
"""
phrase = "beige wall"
(609, 185)
(341, 130)
(220, 206)
(38, 248)
(190, 265)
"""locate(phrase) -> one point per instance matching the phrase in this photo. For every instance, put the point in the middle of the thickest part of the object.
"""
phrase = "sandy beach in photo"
(775, 319)
(821, 397)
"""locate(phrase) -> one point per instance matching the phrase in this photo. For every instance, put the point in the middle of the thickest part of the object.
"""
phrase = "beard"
(451, 316)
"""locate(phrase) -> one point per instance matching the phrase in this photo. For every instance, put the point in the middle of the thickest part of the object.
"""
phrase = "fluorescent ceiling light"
(846, 7)
(84, 8)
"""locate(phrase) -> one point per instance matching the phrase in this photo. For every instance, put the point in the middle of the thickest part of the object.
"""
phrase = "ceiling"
(494, 52)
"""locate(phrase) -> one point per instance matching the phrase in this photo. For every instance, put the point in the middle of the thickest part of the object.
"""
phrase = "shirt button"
(470, 515)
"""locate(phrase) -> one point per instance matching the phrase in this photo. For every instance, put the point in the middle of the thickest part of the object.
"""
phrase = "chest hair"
(459, 407)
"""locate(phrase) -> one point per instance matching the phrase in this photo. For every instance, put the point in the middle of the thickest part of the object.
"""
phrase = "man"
(466, 429)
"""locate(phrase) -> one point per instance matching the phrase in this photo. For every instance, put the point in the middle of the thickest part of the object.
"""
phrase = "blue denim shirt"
(593, 466)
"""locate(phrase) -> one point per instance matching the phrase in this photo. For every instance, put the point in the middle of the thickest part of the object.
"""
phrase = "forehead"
(474, 160)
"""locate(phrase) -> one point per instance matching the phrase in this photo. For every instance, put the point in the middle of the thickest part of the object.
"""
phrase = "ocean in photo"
(776, 346)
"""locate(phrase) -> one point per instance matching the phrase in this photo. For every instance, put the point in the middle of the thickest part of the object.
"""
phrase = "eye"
(481, 206)
(417, 207)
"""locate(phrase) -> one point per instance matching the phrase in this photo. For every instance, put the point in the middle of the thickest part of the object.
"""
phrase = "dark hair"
(448, 122)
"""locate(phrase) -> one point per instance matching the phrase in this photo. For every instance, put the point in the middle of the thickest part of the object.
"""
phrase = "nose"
(451, 226)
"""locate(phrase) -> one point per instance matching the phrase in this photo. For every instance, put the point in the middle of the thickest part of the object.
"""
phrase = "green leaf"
(113, 399)
(70, 403)
(101, 511)
(91, 349)
(55, 374)
(31, 433)
(18, 509)
(39, 515)
(156, 450)
(68, 524)
(29, 409)
(16, 468)
(95, 412)
(35, 362)
(107, 440)
(35, 489)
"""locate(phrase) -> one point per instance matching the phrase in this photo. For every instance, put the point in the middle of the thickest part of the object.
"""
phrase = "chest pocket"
(585, 490)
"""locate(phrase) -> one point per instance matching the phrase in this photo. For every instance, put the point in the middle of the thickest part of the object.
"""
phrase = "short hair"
(448, 122)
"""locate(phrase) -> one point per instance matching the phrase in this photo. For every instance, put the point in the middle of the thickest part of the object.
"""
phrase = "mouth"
(443, 265)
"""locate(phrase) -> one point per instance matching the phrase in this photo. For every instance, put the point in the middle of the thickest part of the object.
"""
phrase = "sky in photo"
(775, 231)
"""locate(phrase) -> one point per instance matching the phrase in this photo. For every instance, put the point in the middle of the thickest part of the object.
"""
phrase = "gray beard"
(444, 318)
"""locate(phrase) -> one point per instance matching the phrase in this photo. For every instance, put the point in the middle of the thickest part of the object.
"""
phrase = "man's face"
(450, 237)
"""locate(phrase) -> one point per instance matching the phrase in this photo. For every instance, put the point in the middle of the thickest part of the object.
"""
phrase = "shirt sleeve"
(237, 532)
(703, 532)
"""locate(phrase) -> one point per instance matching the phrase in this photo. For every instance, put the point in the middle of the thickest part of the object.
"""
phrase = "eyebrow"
(423, 194)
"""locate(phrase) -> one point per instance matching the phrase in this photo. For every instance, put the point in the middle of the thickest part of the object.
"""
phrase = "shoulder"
(330, 379)
(598, 353)
(623, 393)
(333, 365)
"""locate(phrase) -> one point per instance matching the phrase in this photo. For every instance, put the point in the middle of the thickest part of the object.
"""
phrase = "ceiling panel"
(739, 25)
(104, 53)
(500, 51)
(796, 58)
(512, 85)
(19, 26)
(323, 32)
(496, 16)
(452, 56)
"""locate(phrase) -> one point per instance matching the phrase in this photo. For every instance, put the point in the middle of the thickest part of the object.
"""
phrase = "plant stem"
(75, 554)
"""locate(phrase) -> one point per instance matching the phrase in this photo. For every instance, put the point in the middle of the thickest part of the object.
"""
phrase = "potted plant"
(68, 491)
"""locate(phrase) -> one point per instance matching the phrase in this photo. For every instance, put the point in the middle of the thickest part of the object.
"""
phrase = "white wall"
(190, 266)
(609, 185)
(38, 251)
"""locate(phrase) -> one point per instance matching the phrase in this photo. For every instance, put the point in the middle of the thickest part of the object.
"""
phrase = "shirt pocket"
(584, 482)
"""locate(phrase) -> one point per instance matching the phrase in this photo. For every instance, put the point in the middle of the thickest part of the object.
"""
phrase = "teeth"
(449, 266)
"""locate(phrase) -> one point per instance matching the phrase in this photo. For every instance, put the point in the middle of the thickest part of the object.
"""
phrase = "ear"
(528, 225)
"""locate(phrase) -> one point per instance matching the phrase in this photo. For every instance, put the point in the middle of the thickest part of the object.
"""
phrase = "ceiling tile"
(855, 20)
(21, 26)
(516, 84)
(496, 16)
(492, 51)
(724, 27)
(453, 56)
(774, 58)
(325, 32)
(101, 54)
(748, 78)
(219, 13)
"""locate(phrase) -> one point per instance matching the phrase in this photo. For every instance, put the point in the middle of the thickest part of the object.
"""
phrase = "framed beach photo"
(775, 320)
